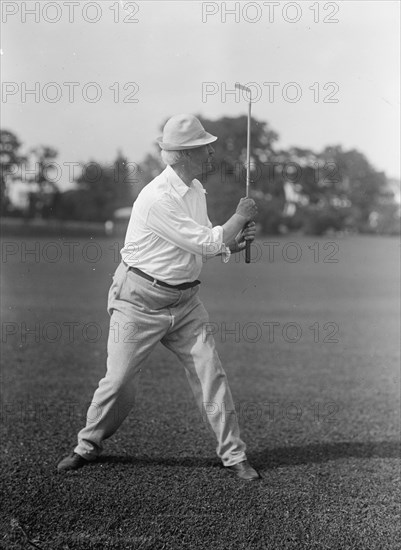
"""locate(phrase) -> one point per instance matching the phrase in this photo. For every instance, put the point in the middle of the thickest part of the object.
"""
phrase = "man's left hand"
(246, 234)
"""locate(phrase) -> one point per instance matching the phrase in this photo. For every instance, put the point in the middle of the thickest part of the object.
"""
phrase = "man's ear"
(187, 155)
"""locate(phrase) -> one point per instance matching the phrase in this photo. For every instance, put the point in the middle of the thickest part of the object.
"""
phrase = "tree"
(96, 192)
(102, 189)
(43, 200)
(9, 159)
(230, 147)
(126, 181)
(358, 182)
(150, 167)
(225, 184)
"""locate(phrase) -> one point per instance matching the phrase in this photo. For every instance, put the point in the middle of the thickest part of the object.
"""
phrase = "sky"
(108, 74)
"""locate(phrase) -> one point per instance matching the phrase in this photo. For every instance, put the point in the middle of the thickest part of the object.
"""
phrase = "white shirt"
(169, 234)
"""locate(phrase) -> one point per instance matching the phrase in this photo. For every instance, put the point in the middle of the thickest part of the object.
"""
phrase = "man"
(155, 293)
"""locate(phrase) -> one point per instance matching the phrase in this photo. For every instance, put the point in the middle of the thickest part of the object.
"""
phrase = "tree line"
(296, 189)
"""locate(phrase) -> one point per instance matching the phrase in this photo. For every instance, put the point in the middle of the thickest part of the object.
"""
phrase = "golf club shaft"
(248, 170)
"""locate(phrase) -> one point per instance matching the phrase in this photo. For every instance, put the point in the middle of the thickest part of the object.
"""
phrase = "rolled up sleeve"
(167, 221)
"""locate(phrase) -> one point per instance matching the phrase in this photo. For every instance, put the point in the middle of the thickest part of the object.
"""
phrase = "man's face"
(201, 159)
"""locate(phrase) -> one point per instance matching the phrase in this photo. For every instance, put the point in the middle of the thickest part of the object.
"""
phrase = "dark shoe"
(244, 470)
(71, 462)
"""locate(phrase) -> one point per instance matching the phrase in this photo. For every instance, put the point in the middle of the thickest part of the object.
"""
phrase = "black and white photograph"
(200, 275)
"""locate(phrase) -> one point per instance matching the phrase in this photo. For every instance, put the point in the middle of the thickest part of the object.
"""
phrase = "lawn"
(309, 337)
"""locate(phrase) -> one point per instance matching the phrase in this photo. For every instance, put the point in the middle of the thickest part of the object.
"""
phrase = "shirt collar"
(176, 181)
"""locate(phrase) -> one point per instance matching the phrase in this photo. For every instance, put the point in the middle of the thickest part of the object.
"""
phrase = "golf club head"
(247, 90)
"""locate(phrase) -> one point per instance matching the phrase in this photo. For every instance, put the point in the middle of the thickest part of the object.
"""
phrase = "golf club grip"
(247, 249)
(248, 252)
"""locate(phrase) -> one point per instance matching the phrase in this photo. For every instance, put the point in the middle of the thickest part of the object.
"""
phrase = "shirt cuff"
(226, 253)
(224, 250)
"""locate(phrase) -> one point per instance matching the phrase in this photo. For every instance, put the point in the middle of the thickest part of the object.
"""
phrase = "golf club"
(248, 161)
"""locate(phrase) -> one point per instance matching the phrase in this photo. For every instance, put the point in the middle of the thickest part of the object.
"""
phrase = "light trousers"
(142, 314)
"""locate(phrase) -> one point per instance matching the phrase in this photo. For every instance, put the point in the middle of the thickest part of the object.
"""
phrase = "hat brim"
(208, 138)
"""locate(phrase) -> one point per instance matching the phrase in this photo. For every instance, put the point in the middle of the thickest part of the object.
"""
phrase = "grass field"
(311, 349)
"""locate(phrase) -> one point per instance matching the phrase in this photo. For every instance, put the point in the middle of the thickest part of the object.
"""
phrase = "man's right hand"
(247, 209)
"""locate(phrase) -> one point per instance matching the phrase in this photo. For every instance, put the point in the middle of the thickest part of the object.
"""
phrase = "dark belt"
(183, 286)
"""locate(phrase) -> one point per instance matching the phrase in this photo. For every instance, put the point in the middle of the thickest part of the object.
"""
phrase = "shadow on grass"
(324, 452)
(269, 459)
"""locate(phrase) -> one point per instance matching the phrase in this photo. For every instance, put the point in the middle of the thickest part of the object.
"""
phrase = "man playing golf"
(155, 289)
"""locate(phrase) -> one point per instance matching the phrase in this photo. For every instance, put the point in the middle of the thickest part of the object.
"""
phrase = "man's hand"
(234, 228)
(247, 209)
(246, 234)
